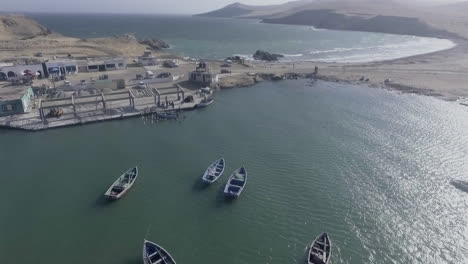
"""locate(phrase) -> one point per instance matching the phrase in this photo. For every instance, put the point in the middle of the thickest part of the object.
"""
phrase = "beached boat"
(214, 171)
(155, 254)
(120, 187)
(320, 250)
(462, 185)
(236, 183)
(205, 102)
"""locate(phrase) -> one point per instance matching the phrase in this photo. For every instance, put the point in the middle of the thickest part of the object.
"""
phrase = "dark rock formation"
(266, 56)
(155, 44)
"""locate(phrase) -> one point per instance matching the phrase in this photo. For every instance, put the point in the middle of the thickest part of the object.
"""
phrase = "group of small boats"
(236, 182)
(319, 251)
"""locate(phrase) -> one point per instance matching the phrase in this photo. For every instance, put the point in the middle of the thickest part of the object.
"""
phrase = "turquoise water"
(370, 167)
(212, 38)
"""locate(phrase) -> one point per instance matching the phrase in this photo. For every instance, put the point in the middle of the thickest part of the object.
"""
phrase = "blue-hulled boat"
(236, 183)
(155, 254)
(214, 171)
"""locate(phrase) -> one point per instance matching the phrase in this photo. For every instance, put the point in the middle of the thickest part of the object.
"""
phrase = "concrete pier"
(100, 107)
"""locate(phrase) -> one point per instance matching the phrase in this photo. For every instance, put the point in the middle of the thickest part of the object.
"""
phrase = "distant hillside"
(386, 16)
(234, 10)
(16, 27)
(330, 19)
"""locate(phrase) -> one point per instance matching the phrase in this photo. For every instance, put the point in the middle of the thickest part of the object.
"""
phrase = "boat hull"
(214, 171)
(133, 172)
(153, 253)
(236, 183)
(320, 250)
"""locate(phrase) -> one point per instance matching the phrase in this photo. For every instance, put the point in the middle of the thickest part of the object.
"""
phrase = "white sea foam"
(413, 46)
(293, 55)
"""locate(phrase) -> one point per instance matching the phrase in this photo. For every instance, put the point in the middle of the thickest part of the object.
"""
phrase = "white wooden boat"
(121, 186)
(214, 171)
(236, 183)
(205, 103)
(320, 250)
(155, 254)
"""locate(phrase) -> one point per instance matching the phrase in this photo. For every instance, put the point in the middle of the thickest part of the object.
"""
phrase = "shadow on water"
(199, 185)
(221, 199)
(102, 201)
(135, 260)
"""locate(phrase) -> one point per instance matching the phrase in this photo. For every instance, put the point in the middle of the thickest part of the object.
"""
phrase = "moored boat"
(205, 102)
(155, 254)
(320, 250)
(214, 171)
(461, 185)
(236, 183)
(120, 187)
(168, 115)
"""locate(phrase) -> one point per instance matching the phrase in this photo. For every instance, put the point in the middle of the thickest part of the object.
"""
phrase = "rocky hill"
(386, 16)
(20, 27)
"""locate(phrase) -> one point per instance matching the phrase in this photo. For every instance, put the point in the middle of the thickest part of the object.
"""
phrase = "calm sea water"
(214, 38)
(370, 167)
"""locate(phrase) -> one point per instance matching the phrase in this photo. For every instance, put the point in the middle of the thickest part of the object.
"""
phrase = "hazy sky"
(131, 6)
(124, 6)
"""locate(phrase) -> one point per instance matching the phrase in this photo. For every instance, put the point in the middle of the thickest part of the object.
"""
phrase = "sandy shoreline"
(443, 74)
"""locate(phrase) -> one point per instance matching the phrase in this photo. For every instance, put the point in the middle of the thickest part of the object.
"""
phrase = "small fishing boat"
(461, 185)
(155, 254)
(205, 102)
(120, 187)
(168, 115)
(320, 250)
(214, 171)
(236, 183)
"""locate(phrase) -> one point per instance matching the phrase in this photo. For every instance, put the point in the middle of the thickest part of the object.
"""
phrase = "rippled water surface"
(370, 167)
(214, 38)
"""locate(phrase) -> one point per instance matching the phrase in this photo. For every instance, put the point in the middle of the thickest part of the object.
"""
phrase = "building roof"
(12, 92)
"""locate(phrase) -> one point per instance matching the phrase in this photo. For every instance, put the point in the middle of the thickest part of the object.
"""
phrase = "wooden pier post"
(103, 101)
(73, 104)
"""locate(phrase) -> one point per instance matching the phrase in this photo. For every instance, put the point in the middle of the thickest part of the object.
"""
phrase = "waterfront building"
(202, 74)
(12, 72)
(106, 65)
(61, 67)
(15, 99)
(147, 59)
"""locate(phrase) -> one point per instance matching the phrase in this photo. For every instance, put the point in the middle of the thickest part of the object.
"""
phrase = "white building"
(147, 59)
(17, 71)
(107, 65)
(203, 77)
(62, 67)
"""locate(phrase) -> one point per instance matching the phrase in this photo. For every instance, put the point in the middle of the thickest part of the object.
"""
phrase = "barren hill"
(20, 27)
(22, 38)
(387, 16)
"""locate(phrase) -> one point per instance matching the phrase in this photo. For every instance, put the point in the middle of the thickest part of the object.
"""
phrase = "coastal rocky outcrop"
(266, 56)
(155, 44)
